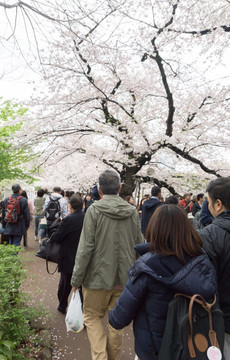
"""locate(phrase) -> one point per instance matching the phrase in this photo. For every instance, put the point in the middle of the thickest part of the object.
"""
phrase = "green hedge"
(15, 315)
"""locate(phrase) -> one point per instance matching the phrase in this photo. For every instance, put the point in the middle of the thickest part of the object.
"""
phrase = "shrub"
(15, 315)
(6, 348)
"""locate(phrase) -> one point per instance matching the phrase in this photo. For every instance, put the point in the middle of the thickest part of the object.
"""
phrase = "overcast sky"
(15, 74)
(15, 55)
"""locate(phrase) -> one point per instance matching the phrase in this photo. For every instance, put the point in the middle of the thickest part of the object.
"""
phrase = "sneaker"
(36, 238)
(40, 241)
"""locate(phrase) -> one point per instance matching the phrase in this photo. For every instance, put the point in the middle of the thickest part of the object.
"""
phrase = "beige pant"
(96, 305)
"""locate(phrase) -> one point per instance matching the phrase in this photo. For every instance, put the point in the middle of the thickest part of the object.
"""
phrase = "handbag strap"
(47, 268)
(47, 261)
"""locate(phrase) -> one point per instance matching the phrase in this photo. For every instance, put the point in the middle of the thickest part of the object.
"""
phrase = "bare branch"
(185, 155)
(156, 56)
(171, 108)
(204, 102)
(160, 183)
(202, 32)
(174, 8)
(22, 4)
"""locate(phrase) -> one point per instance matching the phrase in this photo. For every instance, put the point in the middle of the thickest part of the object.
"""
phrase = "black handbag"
(50, 251)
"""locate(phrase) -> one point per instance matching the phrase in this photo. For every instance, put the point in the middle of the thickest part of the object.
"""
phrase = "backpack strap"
(207, 306)
(20, 210)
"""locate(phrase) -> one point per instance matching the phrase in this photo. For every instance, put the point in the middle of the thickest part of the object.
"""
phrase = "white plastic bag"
(74, 317)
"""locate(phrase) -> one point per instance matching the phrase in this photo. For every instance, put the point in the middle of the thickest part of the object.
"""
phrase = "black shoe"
(61, 310)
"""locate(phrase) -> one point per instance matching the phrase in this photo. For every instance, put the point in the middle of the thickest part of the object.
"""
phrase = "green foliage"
(15, 315)
(191, 181)
(6, 348)
(11, 155)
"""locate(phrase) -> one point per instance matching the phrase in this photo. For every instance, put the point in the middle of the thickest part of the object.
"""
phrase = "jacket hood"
(196, 277)
(205, 215)
(114, 207)
(223, 220)
(150, 203)
(55, 196)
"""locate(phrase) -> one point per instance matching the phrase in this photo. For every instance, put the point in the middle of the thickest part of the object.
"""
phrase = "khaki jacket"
(110, 231)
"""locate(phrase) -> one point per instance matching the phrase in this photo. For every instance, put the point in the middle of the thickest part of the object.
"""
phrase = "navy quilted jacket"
(153, 281)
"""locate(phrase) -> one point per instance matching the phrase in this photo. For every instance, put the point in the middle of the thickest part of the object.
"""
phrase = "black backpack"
(53, 210)
(192, 326)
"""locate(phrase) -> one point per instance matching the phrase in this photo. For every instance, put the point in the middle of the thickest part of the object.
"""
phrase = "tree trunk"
(128, 181)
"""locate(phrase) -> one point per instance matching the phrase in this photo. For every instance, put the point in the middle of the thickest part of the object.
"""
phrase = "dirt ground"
(43, 290)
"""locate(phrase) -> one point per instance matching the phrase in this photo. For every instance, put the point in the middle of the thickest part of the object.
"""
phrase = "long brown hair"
(170, 232)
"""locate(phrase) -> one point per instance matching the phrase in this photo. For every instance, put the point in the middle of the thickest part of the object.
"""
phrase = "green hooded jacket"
(105, 252)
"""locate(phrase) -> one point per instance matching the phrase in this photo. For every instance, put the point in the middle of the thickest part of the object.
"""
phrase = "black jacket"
(216, 237)
(68, 235)
(195, 208)
(148, 209)
(23, 224)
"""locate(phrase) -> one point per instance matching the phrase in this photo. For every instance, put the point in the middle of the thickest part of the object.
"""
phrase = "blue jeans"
(1, 229)
(14, 240)
(37, 219)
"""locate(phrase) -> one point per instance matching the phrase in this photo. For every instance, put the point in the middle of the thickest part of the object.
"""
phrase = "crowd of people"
(127, 260)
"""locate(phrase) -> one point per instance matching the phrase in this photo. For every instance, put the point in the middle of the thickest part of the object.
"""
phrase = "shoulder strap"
(20, 207)
(57, 199)
(207, 306)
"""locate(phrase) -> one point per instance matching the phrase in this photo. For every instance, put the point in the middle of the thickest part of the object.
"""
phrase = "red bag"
(12, 212)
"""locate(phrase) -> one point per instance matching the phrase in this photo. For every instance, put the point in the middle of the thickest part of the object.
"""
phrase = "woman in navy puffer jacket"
(173, 262)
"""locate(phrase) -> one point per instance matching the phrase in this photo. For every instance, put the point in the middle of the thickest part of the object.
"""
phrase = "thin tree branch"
(185, 155)
(22, 5)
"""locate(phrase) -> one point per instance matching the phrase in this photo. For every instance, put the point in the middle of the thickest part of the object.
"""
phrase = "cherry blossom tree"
(133, 85)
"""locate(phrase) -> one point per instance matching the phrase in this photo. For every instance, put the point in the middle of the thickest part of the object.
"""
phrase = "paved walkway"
(43, 289)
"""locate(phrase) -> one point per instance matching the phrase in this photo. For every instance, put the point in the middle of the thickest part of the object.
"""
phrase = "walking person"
(198, 204)
(31, 209)
(68, 235)
(186, 202)
(106, 251)
(150, 206)
(173, 262)
(15, 228)
(216, 237)
(55, 207)
(38, 214)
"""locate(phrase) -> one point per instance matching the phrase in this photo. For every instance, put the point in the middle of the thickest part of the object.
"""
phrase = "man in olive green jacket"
(110, 231)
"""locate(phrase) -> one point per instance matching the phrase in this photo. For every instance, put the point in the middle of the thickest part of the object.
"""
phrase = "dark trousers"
(64, 289)
(14, 240)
